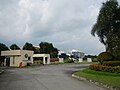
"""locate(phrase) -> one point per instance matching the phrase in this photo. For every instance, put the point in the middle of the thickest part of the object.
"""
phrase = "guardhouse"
(15, 57)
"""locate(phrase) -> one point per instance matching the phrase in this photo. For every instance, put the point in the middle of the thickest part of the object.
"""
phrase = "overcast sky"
(65, 23)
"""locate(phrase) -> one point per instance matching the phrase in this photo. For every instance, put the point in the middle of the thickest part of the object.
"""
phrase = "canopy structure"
(46, 58)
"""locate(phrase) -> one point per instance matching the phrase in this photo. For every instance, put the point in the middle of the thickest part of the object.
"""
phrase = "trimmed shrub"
(94, 60)
(111, 63)
(68, 61)
(97, 67)
(104, 56)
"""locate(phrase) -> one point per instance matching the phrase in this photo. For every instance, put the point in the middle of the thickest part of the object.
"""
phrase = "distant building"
(74, 54)
(62, 54)
(36, 47)
(77, 54)
(37, 50)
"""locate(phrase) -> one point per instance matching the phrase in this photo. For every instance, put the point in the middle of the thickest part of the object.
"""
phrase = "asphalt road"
(50, 77)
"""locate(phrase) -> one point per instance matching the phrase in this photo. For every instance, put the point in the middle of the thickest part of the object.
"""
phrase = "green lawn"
(112, 79)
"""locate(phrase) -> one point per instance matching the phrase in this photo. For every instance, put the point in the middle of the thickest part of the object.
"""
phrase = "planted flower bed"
(97, 67)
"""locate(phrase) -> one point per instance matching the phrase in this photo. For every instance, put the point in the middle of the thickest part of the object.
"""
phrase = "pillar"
(5, 62)
(44, 60)
(48, 59)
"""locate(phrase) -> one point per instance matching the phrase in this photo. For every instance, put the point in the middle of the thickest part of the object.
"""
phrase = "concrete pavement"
(50, 77)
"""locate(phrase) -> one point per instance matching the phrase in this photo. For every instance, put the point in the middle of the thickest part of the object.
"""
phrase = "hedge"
(97, 67)
(68, 61)
(111, 63)
(104, 56)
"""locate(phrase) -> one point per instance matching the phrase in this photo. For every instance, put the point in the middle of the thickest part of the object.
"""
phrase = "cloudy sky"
(65, 23)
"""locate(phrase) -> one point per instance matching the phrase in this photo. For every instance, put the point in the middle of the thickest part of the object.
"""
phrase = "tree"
(28, 46)
(47, 48)
(55, 52)
(108, 25)
(3, 47)
(14, 47)
(36, 50)
(115, 40)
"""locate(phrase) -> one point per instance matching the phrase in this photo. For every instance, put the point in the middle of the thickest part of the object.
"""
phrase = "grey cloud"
(65, 23)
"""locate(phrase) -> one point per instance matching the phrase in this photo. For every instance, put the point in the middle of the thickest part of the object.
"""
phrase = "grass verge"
(112, 79)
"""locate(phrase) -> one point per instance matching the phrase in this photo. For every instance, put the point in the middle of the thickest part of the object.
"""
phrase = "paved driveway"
(50, 77)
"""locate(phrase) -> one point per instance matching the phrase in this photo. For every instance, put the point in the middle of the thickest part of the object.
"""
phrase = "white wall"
(61, 60)
(17, 60)
(89, 60)
(80, 59)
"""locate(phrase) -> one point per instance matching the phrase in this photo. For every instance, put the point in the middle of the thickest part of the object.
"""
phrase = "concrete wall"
(15, 60)
(29, 54)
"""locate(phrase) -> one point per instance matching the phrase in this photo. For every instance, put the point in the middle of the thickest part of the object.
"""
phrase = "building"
(77, 54)
(15, 57)
(63, 55)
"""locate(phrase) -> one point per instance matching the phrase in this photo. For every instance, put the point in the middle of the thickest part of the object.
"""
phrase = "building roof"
(36, 46)
(74, 50)
(41, 55)
(13, 52)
